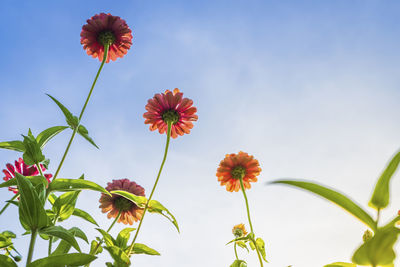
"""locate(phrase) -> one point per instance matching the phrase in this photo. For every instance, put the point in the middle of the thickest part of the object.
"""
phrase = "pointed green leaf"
(335, 197)
(49, 133)
(157, 207)
(62, 248)
(72, 259)
(62, 233)
(65, 185)
(243, 238)
(79, 233)
(380, 197)
(242, 245)
(35, 180)
(261, 248)
(108, 239)
(84, 215)
(379, 249)
(65, 204)
(143, 249)
(71, 120)
(341, 264)
(85, 134)
(7, 261)
(239, 263)
(13, 145)
(32, 153)
(140, 201)
(123, 237)
(31, 211)
(119, 256)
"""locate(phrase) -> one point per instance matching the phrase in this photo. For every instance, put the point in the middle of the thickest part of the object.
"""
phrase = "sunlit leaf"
(35, 180)
(108, 239)
(157, 207)
(13, 145)
(140, 201)
(84, 215)
(65, 204)
(49, 133)
(85, 134)
(7, 261)
(239, 263)
(71, 120)
(72, 259)
(118, 255)
(341, 264)
(65, 185)
(62, 233)
(143, 249)
(123, 237)
(381, 196)
(261, 248)
(335, 197)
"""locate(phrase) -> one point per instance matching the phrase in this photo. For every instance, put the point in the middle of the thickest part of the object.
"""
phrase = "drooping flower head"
(104, 29)
(113, 204)
(239, 230)
(236, 166)
(22, 168)
(170, 106)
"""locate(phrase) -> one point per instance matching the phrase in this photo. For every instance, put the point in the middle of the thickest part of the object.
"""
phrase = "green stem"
(378, 215)
(248, 216)
(101, 241)
(154, 187)
(8, 204)
(106, 48)
(40, 169)
(51, 237)
(236, 252)
(31, 246)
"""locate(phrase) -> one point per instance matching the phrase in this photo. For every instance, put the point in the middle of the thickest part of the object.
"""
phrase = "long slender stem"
(378, 215)
(31, 246)
(106, 48)
(154, 187)
(248, 216)
(51, 237)
(8, 204)
(101, 241)
(236, 252)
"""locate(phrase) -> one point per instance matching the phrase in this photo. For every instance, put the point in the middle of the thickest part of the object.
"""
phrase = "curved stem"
(248, 216)
(106, 48)
(101, 241)
(8, 204)
(236, 252)
(31, 246)
(154, 187)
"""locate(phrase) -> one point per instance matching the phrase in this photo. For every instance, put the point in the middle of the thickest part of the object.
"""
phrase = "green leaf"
(341, 264)
(9, 234)
(243, 238)
(79, 233)
(65, 185)
(108, 239)
(239, 263)
(94, 245)
(31, 212)
(32, 153)
(5, 241)
(380, 197)
(379, 249)
(71, 120)
(118, 255)
(335, 197)
(61, 233)
(52, 198)
(65, 204)
(261, 248)
(84, 215)
(140, 201)
(123, 237)
(143, 249)
(157, 207)
(35, 180)
(72, 259)
(242, 245)
(7, 261)
(49, 133)
(85, 134)
(62, 248)
(13, 145)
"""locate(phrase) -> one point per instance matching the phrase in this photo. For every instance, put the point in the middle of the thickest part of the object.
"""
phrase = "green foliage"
(335, 197)
(64, 205)
(85, 134)
(13, 145)
(239, 263)
(65, 246)
(32, 153)
(242, 245)
(71, 120)
(65, 185)
(119, 256)
(72, 259)
(380, 197)
(379, 249)
(6, 239)
(84, 215)
(48, 134)
(62, 233)
(140, 201)
(123, 237)
(7, 261)
(143, 249)
(35, 180)
(261, 248)
(341, 264)
(31, 212)
(157, 207)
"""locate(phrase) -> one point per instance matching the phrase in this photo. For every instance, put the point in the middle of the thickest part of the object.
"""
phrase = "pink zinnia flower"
(170, 106)
(114, 204)
(102, 29)
(23, 169)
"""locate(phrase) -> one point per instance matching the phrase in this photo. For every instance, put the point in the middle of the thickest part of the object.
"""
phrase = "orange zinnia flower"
(239, 230)
(105, 29)
(113, 204)
(236, 166)
(170, 106)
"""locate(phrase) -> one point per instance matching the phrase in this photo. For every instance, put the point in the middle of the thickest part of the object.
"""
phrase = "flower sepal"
(33, 153)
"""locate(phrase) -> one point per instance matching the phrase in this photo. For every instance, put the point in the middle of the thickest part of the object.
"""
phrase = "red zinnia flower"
(103, 29)
(236, 166)
(23, 169)
(170, 106)
(113, 204)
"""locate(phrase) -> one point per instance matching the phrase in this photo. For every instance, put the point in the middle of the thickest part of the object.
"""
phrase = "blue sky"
(310, 88)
